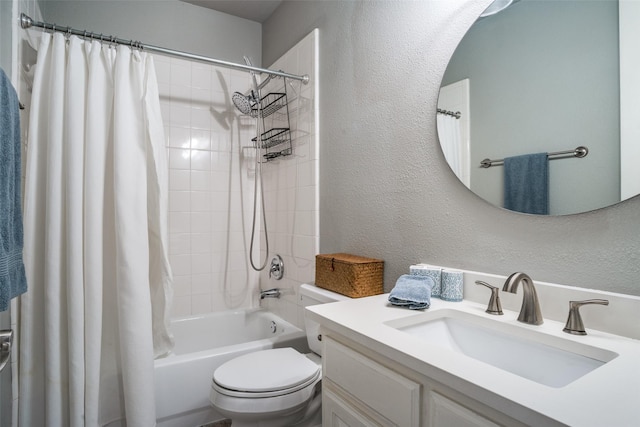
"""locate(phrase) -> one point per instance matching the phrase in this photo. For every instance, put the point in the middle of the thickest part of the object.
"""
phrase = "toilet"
(276, 387)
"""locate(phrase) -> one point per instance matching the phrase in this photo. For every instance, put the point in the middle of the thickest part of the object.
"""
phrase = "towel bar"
(579, 152)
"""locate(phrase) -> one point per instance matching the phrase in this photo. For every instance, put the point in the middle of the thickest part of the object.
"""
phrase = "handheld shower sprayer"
(244, 103)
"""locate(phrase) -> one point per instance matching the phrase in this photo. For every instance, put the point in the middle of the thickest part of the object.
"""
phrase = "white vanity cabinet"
(358, 391)
(367, 390)
(378, 372)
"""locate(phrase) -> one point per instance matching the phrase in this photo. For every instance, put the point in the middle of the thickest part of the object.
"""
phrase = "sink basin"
(539, 357)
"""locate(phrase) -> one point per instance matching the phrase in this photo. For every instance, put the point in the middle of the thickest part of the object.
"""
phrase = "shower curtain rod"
(456, 114)
(27, 22)
(579, 152)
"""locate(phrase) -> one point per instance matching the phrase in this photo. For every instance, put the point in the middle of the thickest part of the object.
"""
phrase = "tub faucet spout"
(530, 311)
(270, 293)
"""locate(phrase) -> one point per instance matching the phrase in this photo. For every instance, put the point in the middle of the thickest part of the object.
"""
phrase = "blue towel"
(13, 281)
(526, 183)
(412, 291)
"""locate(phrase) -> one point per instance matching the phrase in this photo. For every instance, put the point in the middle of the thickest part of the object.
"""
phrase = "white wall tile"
(180, 72)
(200, 201)
(180, 243)
(179, 222)
(180, 114)
(200, 222)
(201, 243)
(211, 179)
(179, 201)
(201, 77)
(291, 186)
(179, 179)
(179, 158)
(200, 160)
(181, 306)
(201, 180)
(201, 304)
(200, 264)
(180, 264)
(163, 71)
(201, 118)
(201, 139)
(181, 285)
(201, 283)
(179, 137)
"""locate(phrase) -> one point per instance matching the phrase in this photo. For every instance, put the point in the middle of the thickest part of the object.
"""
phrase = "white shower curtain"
(452, 145)
(96, 312)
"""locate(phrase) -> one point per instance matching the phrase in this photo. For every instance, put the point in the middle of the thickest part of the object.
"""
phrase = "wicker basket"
(350, 275)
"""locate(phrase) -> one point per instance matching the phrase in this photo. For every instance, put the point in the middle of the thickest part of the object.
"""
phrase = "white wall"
(385, 189)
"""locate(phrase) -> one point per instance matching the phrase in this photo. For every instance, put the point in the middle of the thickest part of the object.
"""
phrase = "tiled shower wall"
(211, 186)
(291, 185)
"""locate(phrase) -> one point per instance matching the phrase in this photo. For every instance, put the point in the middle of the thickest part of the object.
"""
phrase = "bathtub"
(204, 342)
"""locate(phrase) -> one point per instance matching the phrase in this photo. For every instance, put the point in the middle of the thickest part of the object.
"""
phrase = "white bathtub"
(183, 379)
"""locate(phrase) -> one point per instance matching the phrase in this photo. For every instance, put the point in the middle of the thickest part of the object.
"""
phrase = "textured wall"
(385, 189)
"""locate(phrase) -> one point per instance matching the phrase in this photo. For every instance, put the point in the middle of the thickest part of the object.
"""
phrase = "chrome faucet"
(270, 293)
(530, 311)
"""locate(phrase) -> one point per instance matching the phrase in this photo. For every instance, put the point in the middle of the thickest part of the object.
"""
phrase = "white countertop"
(607, 396)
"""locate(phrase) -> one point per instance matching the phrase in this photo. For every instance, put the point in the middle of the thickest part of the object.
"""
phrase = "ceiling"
(254, 10)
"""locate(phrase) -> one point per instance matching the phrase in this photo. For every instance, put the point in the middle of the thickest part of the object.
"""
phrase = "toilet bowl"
(276, 387)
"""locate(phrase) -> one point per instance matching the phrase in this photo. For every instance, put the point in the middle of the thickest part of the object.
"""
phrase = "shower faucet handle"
(494, 306)
(277, 268)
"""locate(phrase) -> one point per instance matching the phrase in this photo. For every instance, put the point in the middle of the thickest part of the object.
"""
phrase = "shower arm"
(261, 85)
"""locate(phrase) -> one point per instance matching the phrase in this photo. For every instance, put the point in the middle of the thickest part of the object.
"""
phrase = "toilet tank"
(312, 295)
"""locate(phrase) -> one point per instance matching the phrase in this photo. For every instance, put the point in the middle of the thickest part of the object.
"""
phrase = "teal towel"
(412, 291)
(13, 281)
(526, 183)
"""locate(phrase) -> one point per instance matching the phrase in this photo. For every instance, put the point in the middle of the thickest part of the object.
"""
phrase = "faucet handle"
(494, 306)
(574, 321)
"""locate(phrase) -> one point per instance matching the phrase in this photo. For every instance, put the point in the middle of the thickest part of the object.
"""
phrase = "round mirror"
(537, 109)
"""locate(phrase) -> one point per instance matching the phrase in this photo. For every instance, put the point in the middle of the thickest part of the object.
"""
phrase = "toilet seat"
(274, 384)
(266, 373)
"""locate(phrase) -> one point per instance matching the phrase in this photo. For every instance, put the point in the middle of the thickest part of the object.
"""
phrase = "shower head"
(242, 102)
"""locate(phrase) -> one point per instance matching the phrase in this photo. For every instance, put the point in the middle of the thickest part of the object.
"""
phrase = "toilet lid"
(266, 370)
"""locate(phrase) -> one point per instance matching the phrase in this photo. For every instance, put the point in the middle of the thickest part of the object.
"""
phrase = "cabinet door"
(336, 412)
(385, 392)
(444, 412)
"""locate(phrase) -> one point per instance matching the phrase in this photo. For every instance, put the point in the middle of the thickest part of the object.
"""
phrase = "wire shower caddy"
(274, 113)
